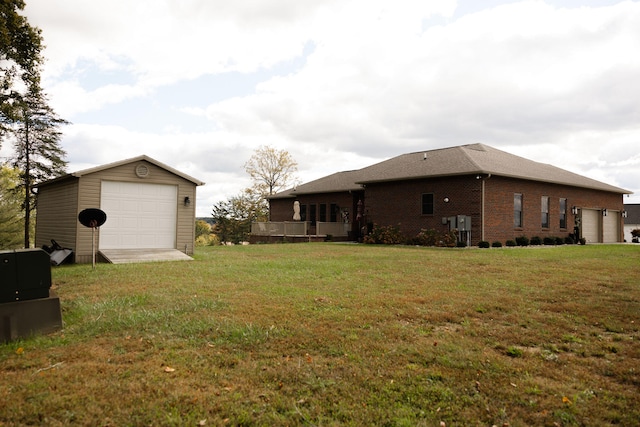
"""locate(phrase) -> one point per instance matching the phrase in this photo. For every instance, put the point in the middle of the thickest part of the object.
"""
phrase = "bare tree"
(271, 170)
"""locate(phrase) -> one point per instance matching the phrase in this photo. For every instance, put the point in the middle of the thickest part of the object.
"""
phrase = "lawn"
(339, 334)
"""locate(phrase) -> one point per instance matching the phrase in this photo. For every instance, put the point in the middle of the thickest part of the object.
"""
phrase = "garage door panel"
(139, 216)
(591, 225)
(611, 227)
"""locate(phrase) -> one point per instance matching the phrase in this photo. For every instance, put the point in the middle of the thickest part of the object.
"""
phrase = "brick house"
(485, 193)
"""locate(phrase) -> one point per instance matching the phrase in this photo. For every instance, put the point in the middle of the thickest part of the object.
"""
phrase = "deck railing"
(332, 228)
(284, 228)
(299, 228)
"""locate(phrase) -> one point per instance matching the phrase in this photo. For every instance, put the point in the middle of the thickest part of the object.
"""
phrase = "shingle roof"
(334, 183)
(460, 160)
(144, 157)
(476, 159)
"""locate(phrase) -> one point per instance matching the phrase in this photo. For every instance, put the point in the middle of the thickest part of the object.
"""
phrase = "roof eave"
(295, 194)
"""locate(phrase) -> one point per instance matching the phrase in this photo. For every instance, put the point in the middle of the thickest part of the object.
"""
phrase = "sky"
(341, 84)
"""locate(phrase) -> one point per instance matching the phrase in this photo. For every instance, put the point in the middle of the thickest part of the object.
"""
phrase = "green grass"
(339, 334)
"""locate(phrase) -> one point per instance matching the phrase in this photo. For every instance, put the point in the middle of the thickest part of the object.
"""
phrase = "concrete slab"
(127, 256)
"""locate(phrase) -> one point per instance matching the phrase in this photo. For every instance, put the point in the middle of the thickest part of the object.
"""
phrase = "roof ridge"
(463, 149)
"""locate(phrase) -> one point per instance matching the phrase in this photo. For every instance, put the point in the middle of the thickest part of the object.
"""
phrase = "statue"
(296, 211)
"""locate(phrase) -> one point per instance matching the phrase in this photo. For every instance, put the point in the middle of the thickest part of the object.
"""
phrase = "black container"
(25, 274)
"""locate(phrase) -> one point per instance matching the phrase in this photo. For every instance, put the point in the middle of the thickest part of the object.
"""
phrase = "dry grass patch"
(338, 334)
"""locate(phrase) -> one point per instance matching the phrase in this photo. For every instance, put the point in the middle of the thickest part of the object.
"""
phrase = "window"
(323, 212)
(517, 210)
(544, 209)
(427, 204)
(333, 215)
(312, 212)
(563, 213)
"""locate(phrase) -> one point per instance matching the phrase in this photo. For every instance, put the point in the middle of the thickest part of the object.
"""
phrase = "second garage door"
(139, 216)
(611, 227)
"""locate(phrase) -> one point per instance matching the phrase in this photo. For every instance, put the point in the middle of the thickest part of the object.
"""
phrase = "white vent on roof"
(424, 156)
(142, 171)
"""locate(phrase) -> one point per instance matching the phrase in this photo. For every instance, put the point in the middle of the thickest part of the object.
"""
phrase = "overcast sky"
(342, 84)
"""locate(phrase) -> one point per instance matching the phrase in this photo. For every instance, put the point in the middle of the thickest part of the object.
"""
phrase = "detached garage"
(150, 208)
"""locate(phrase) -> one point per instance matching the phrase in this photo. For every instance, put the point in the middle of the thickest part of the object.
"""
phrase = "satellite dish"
(92, 217)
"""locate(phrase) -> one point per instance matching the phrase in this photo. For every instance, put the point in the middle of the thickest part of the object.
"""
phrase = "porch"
(299, 231)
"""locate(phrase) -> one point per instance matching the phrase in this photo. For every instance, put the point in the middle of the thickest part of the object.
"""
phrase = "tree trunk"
(27, 187)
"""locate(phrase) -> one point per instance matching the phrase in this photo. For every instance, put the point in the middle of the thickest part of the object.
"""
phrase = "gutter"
(482, 208)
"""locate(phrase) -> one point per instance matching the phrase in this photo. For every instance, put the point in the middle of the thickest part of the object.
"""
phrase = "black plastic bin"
(25, 274)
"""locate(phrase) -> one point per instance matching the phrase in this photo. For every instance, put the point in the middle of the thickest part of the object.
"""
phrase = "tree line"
(27, 121)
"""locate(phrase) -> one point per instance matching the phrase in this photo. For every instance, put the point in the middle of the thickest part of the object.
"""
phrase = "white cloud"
(361, 81)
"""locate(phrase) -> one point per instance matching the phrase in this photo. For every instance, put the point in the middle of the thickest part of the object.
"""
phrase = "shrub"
(426, 238)
(536, 240)
(388, 235)
(635, 232)
(449, 239)
(569, 240)
(522, 241)
(434, 238)
(496, 244)
(207, 240)
(511, 243)
(461, 244)
(559, 241)
(583, 241)
(483, 244)
(549, 241)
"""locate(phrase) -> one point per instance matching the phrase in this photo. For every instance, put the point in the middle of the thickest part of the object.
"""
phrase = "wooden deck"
(127, 256)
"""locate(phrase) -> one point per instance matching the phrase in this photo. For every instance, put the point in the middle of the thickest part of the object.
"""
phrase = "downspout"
(483, 207)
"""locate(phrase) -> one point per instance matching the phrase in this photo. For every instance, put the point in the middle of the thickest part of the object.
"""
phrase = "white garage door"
(611, 227)
(591, 225)
(139, 216)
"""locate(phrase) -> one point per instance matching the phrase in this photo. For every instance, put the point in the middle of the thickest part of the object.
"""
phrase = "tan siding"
(57, 212)
(186, 217)
(90, 197)
(60, 202)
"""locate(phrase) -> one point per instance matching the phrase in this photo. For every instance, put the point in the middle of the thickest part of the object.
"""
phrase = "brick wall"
(398, 203)
(499, 214)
